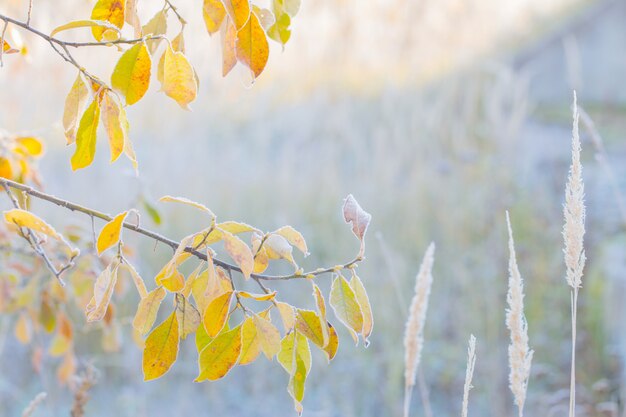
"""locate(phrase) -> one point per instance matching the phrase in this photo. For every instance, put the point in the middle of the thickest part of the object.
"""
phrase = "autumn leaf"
(107, 10)
(269, 336)
(62, 340)
(29, 145)
(86, 137)
(251, 46)
(286, 354)
(366, 309)
(115, 124)
(250, 343)
(161, 349)
(67, 368)
(216, 314)
(102, 292)
(346, 307)
(296, 382)
(239, 252)
(188, 316)
(147, 310)
(110, 233)
(308, 323)
(280, 31)
(7, 49)
(333, 342)
(131, 76)
(287, 314)
(258, 297)
(131, 17)
(321, 308)
(238, 11)
(183, 200)
(294, 237)
(202, 339)
(220, 355)
(236, 227)
(96, 25)
(74, 104)
(156, 26)
(360, 219)
(228, 35)
(213, 13)
(137, 280)
(23, 218)
(179, 81)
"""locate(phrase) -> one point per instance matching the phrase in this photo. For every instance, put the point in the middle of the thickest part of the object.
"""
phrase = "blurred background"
(437, 116)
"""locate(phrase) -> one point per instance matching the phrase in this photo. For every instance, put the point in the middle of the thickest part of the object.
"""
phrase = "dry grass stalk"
(573, 234)
(414, 332)
(30, 409)
(84, 383)
(469, 373)
(520, 355)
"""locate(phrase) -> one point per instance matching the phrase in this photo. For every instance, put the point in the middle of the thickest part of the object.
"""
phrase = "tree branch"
(167, 241)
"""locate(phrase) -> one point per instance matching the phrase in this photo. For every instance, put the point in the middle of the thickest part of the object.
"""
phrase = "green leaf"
(131, 76)
(86, 137)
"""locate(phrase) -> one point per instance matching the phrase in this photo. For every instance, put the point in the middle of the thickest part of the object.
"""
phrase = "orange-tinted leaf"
(110, 11)
(110, 233)
(115, 124)
(213, 12)
(179, 81)
(251, 46)
(238, 11)
(131, 76)
(228, 36)
(216, 314)
(161, 349)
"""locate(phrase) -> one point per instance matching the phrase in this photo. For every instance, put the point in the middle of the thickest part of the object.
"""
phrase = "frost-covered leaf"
(220, 355)
(161, 349)
(110, 233)
(131, 76)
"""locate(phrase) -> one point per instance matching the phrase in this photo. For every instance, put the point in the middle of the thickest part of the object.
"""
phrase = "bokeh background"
(438, 116)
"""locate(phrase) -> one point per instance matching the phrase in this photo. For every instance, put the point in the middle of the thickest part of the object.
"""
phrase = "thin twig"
(170, 242)
(31, 238)
(4, 30)
(30, 11)
(182, 21)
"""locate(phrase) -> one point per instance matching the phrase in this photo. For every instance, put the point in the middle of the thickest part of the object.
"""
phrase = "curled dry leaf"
(360, 219)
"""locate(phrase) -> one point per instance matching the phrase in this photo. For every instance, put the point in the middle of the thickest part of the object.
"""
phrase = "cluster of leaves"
(244, 31)
(18, 157)
(231, 326)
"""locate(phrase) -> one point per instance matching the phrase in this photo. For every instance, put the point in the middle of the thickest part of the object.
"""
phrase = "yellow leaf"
(366, 309)
(183, 200)
(216, 314)
(220, 355)
(277, 247)
(188, 316)
(7, 49)
(287, 314)
(285, 356)
(115, 124)
(31, 146)
(294, 237)
(86, 137)
(179, 81)
(102, 292)
(296, 382)
(321, 308)
(156, 26)
(131, 17)
(110, 233)
(346, 307)
(238, 11)
(161, 349)
(199, 288)
(261, 260)
(269, 336)
(202, 339)
(131, 76)
(239, 252)
(308, 323)
(95, 24)
(23, 218)
(252, 47)
(23, 329)
(47, 314)
(360, 219)
(174, 281)
(228, 36)
(250, 344)
(147, 310)
(137, 280)
(6, 170)
(258, 297)
(236, 227)
(333, 343)
(213, 12)
(110, 11)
